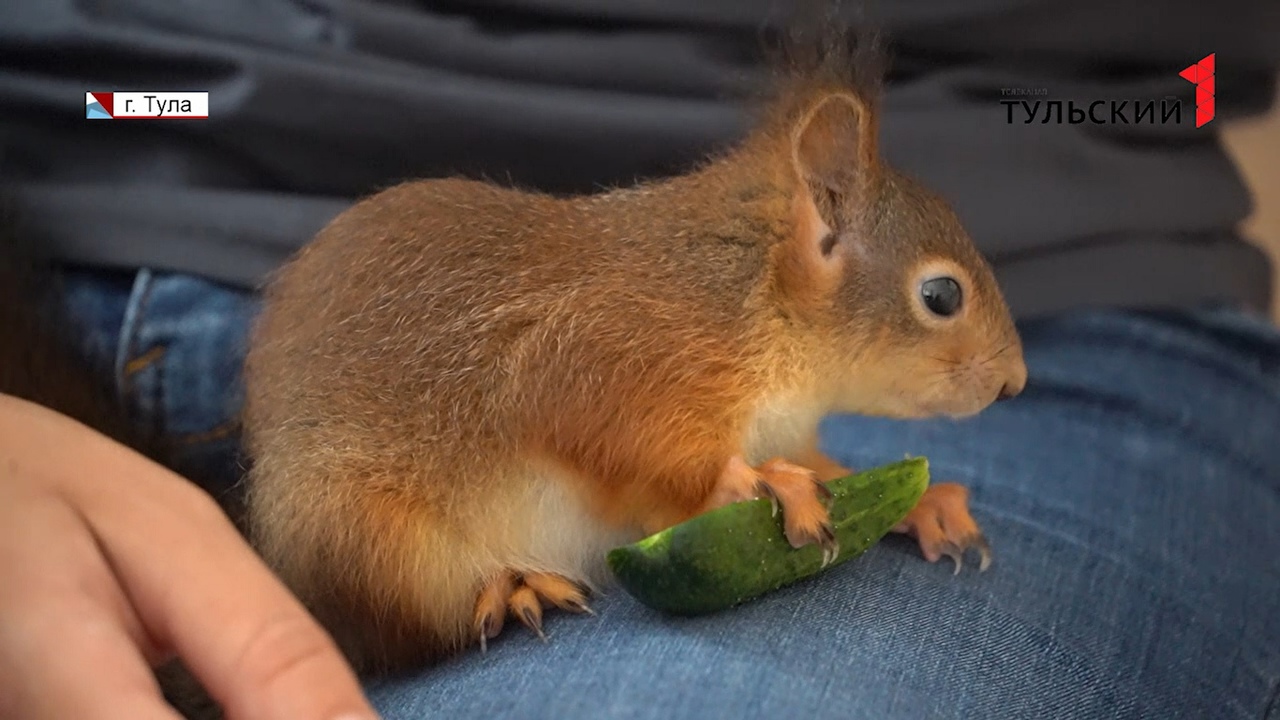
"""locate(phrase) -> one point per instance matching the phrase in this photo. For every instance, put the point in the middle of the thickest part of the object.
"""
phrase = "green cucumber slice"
(738, 552)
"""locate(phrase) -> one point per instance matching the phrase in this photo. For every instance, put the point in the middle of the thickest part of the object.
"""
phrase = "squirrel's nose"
(1014, 385)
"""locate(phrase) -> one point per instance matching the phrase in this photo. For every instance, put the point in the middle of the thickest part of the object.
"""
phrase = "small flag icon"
(95, 108)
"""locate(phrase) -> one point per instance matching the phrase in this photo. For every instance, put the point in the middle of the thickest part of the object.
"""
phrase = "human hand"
(110, 565)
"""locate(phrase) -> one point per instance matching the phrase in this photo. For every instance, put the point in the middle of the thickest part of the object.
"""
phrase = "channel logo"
(1201, 75)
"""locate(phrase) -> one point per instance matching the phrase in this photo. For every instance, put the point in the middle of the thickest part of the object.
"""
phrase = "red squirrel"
(460, 395)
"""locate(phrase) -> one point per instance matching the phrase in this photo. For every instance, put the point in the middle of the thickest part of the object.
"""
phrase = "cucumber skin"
(738, 552)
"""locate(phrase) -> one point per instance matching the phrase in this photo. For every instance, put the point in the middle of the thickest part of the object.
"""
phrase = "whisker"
(996, 355)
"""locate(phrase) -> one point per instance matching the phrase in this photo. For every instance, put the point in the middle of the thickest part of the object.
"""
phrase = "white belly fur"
(782, 425)
(554, 530)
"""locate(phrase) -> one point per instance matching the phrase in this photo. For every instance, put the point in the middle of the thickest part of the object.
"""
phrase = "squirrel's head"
(880, 274)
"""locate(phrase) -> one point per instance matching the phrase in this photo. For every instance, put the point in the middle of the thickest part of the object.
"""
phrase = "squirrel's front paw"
(523, 596)
(942, 525)
(802, 497)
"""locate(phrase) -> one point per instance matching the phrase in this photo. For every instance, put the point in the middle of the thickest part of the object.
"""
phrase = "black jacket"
(315, 102)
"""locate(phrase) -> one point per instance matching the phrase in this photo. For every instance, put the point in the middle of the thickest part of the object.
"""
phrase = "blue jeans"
(1131, 496)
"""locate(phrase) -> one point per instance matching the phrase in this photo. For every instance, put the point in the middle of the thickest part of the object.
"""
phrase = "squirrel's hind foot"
(524, 596)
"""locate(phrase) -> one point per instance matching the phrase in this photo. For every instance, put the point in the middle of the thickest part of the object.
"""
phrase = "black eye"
(941, 295)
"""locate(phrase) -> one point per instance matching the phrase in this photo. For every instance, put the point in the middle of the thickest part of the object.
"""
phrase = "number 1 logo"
(1201, 75)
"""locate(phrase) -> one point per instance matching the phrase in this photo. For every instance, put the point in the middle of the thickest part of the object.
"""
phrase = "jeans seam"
(137, 364)
(221, 431)
(130, 363)
(127, 343)
(1269, 712)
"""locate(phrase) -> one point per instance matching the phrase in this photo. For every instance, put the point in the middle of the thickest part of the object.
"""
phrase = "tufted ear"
(834, 150)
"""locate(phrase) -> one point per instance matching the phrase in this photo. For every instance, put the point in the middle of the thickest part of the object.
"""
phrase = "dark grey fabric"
(316, 102)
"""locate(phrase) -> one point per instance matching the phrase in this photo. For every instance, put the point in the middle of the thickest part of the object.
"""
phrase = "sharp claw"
(579, 607)
(533, 622)
(957, 552)
(763, 487)
(824, 491)
(956, 555)
(984, 550)
(830, 545)
(485, 628)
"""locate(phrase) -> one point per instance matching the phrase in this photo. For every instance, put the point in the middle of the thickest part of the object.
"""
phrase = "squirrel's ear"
(834, 150)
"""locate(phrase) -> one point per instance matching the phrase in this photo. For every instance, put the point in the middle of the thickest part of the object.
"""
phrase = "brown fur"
(456, 381)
